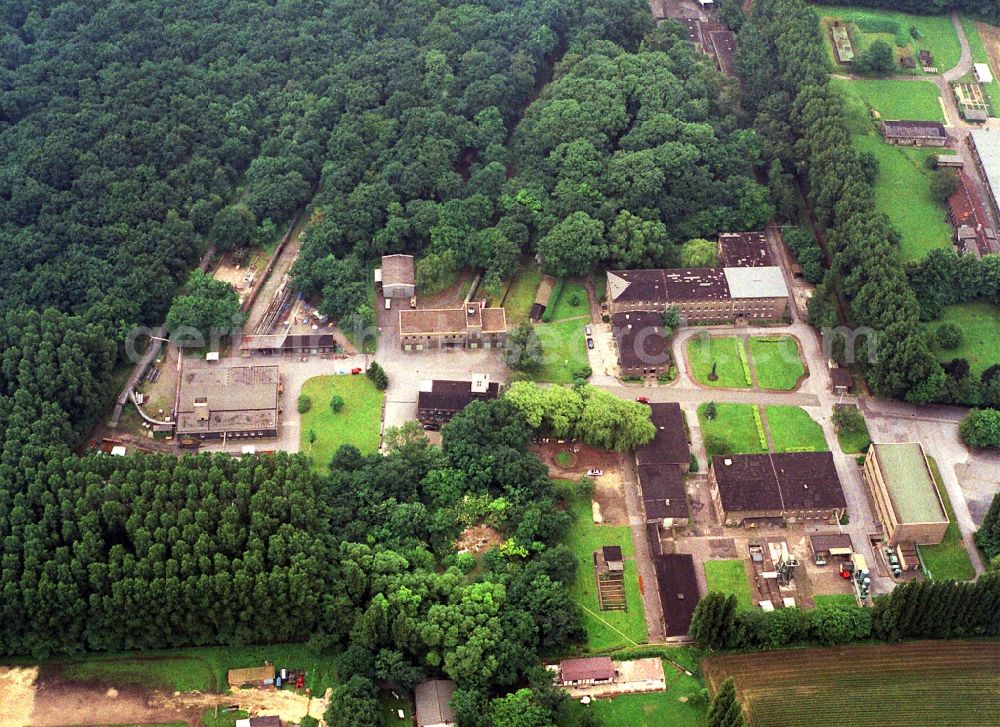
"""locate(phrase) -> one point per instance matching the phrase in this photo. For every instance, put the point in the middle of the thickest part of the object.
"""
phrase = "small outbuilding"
(398, 276)
(432, 708)
(592, 670)
(841, 381)
(982, 72)
(613, 558)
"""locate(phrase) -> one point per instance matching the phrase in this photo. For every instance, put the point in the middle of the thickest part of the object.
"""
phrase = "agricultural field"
(980, 324)
(793, 430)
(564, 350)
(672, 707)
(777, 362)
(729, 577)
(734, 429)
(357, 423)
(721, 353)
(937, 34)
(564, 307)
(979, 55)
(949, 558)
(940, 683)
(605, 629)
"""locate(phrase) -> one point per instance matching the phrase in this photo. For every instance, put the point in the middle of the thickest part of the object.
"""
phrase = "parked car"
(588, 330)
(595, 473)
(642, 399)
(356, 371)
(590, 343)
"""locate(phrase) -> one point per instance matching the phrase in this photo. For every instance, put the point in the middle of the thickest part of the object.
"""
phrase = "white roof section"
(426, 385)
(766, 282)
(118, 451)
(617, 285)
(212, 356)
(983, 73)
(988, 147)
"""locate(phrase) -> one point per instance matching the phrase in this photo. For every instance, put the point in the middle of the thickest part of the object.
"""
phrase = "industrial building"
(216, 401)
(703, 295)
(907, 502)
(473, 326)
(678, 588)
(985, 147)
(744, 250)
(438, 401)
(974, 235)
(397, 276)
(663, 496)
(640, 343)
(914, 133)
(776, 489)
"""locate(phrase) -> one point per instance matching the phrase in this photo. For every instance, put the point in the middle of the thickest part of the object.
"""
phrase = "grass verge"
(836, 600)
(949, 558)
(357, 423)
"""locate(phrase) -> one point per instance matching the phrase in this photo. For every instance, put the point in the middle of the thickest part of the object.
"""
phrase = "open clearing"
(729, 577)
(776, 361)
(980, 324)
(564, 350)
(605, 629)
(357, 423)
(940, 683)
(909, 100)
(564, 307)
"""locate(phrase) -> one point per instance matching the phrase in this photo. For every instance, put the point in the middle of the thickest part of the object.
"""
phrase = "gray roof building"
(432, 708)
(215, 401)
(768, 282)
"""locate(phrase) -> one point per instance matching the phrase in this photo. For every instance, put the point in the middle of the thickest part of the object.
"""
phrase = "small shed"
(593, 670)
(613, 557)
(827, 545)
(841, 381)
(982, 72)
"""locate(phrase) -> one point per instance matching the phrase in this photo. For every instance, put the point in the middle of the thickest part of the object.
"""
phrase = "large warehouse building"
(219, 401)
(906, 499)
(985, 147)
(776, 489)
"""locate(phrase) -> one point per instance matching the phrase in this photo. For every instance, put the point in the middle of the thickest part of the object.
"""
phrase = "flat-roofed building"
(985, 146)
(669, 446)
(907, 502)
(398, 276)
(914, 133)
(703, 295)
(776, 488)
(438, 401)
(432, 703)
(744, 250)
(217, 401)
(640, 342)
(472, 326)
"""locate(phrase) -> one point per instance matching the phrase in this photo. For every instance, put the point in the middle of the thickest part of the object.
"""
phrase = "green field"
(839, 600)
(357, 423)
(793, 430)
(605, 629)
(909, 100)
(734, 426)
(979, 55)
(564, 307)
(729, 577)
(196, 669)
(949, 558)
(724, 353)
(521, 293)
(564, 350)
(776, 362)
(916, 684)
(980, 324)
(937, 33)
(657, 709)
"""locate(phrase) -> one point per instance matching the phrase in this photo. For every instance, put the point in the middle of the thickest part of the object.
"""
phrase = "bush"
(693, 467)
(944, 183)
(376, 374)
(304, 404)
(981, 428)
(550, 309)
(948, 336)
(711, 411)
(715, 444)
(761, 436)
(337, 403)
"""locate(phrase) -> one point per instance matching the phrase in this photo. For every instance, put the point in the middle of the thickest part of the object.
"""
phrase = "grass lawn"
(605, 629)
(734, 425)
(729, 577)
(389, 707)
(657, 709)
(200, 669)
(724, 353)
(910, 100)
(937, 34)
(980, 324)
(979, 55)
(854, 442)
(564, 350)
(521, 293)
(948, 559)
(793, 430)
(224, 719)
(777, 362)
(357, 423)
(564, 307)
(838, 600)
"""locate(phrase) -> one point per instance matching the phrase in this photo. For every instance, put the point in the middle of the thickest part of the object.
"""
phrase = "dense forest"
(109, 553)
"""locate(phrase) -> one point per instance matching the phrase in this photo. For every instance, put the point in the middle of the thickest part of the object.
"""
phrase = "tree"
(944, 183)
(710, 410)
(209, 310)
(699, 253)
(376, 374)
(981, 428)
(436, 271)
(712, 621)
(572, 246)
(671, 319)
(336, 403)
(519, 710)
(726, 710)
(234, 226)
(877, 59)
(612, 423)
(523, 351)
(304, 403)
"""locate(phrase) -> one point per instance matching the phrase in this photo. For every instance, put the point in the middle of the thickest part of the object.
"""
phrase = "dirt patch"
(17, 695)
(478, 539)
(585, 458)
(723, 548)
(610, 496)
(451, 297)
(991, 39)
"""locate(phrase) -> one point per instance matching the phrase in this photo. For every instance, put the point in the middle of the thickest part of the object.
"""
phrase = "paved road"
(965, 61)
